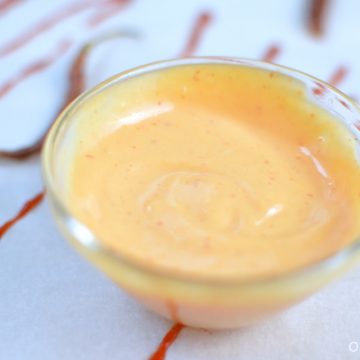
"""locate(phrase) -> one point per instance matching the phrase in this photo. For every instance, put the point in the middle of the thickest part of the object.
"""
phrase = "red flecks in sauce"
(27, 207)
(166, 342)
(201, 23)
(34, 68)
(196, 76)
(44, 25)
(316, 16)
(113, 8)
(272, 53)
(338, 76)
(7, 5)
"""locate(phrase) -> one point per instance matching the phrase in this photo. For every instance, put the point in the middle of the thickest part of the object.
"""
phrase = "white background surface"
(53, 304)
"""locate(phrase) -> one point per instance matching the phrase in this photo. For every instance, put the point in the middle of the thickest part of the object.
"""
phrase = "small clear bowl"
(205, 303)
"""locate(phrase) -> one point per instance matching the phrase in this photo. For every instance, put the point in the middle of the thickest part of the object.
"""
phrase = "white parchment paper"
(53, 304)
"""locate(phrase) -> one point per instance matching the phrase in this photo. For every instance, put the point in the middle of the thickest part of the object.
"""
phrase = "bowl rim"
(85, 238)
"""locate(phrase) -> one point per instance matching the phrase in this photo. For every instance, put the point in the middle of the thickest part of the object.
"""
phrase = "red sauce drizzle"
(201, 23)
(76, 87)
(166, 342)
(316, 16)
(45, 25)
(113, 8)
(338, 76)
(34, 68)
(271, 53)
(27, 207)
(6, 5)
(27, 151)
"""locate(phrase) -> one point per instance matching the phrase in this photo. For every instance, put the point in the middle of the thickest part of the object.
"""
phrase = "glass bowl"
(205, 303)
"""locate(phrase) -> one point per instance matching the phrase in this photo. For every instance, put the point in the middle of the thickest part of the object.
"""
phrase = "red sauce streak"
(76, 87)
(6, 5)
(201, 23)
(76, 76)
(113, 8)
(271, 53)
(33, 69)
(27, 207)
(316, 16)
(166, 342)
(338, 76)
(45, 25)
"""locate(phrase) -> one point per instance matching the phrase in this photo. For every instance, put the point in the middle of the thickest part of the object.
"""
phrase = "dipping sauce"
(214, 171)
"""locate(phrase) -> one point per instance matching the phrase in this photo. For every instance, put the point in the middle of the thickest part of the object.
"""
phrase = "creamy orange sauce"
(214, 171)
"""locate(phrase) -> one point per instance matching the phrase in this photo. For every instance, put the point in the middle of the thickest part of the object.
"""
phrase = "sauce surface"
(214, 171)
